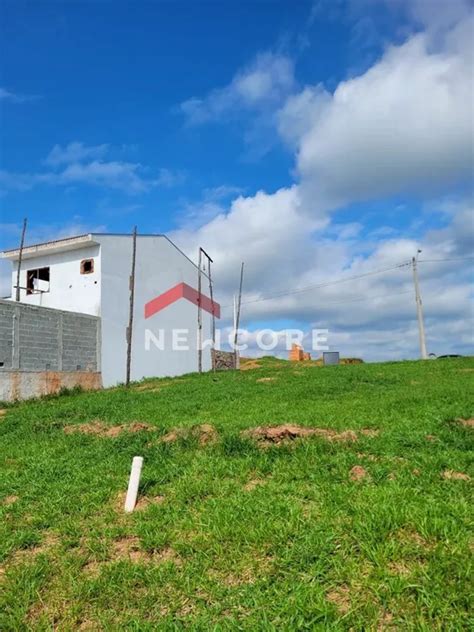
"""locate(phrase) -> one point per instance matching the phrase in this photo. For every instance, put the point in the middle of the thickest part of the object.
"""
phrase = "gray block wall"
(43, 339)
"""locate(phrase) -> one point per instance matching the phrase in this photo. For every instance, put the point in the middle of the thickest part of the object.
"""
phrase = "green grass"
(301, 548)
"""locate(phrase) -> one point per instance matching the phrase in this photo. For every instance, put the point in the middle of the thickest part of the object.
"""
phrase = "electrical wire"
(322, 285)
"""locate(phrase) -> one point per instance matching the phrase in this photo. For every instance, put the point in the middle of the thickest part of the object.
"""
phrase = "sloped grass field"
(230, 534)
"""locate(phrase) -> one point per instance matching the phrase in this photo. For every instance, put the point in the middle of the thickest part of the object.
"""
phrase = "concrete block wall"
(41, 339)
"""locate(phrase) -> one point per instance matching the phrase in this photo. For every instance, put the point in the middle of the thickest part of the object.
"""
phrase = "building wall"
(159, 267)
(40, 339)
(69, 289)
(15, 385)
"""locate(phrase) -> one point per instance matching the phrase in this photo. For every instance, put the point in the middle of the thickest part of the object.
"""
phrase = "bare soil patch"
(3, 412)
(100, 429)
(468, 423)
(358, 473)
(266, 379)
(248, 365)
(142, 503)
(253, 483)
(370, 432)
(289, 432)
(205, 433)
(9, 500)
(451, 475)
(430, 437)
(341, 598)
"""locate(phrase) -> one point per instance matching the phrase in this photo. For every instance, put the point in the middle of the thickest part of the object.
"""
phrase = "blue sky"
(175, 115)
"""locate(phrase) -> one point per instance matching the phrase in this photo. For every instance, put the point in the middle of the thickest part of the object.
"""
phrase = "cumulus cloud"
(77, 163)
(264, 83)
(403, 126)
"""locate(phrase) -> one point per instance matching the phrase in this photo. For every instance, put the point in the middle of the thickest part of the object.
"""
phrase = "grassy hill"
(364, 524)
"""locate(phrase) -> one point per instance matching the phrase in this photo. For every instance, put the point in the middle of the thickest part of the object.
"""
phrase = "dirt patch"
(128, 548)
(430, 437)
(407, 535)
(386, 622)
(341, 598)
(3, 412)
(358, 473)
(289, 432)
(248, 365)
(416, 472)
(451, 475)
(205, 433)
(468, 423)
(399, 568)
(266, 379)
(142, 503)
(370, 432)
(102, 430)
(9, 500)
(252, 484)
(49, 541)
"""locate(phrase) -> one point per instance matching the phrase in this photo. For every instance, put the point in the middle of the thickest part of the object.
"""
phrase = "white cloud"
(264, 83)
(7, 95)
(75, 152)
(406, 124)
(77, 163)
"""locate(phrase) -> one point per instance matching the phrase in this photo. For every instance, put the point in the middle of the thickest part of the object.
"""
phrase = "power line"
(448, 259)
(322, 285)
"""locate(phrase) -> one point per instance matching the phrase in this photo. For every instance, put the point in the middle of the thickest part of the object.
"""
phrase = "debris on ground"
(288, 432)
(451, 475)
(358, 473)
(102, 430)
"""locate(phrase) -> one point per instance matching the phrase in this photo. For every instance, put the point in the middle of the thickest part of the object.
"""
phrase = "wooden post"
(199, 342)
(132, 301)
(20, 257)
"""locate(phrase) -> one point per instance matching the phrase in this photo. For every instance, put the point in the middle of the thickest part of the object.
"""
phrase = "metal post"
(199, 342)
(419, 308)
(211, 292)
(20, 257)
(132, 301)
(237, 318)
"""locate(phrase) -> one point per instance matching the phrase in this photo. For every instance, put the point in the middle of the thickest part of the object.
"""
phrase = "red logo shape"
(182, 290)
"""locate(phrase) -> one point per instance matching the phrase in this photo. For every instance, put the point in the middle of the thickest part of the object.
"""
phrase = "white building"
(90, 274)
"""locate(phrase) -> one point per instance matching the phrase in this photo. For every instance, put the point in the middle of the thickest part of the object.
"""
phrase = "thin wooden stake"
(132, 302)
(20, 258)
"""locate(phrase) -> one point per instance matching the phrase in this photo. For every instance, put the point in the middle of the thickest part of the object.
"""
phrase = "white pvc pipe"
(132, 491)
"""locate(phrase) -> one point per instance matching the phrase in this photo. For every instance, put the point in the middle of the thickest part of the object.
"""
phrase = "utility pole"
(199, 341)
(419, 308)
(237, 318)
(20, 257)
(132, 302)
(211, 294)
(202, 253)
